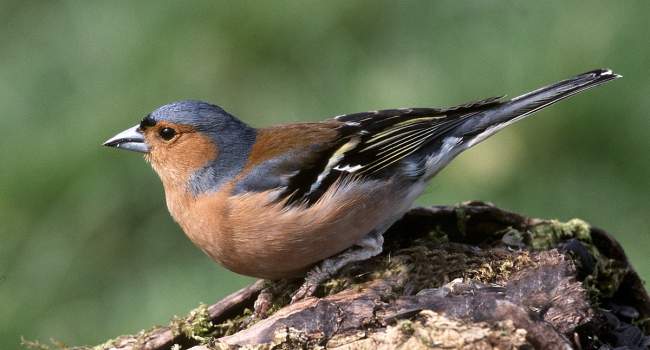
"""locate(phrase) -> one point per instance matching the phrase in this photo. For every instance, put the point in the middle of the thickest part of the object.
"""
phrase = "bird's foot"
(262, 304)
(265, 299)
(367, 247)
(314, 278)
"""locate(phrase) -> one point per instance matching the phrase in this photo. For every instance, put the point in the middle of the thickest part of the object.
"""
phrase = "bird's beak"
(130, 139)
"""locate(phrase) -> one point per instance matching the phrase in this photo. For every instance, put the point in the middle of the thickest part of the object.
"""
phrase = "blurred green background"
(87, 248)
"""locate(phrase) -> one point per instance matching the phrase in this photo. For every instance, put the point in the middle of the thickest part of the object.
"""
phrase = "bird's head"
(190, 143)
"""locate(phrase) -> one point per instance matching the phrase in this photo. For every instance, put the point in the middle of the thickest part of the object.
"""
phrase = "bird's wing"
(385, 137)
(365, 145)
(412, 142)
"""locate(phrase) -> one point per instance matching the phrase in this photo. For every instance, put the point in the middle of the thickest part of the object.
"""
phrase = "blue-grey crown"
(201, 115)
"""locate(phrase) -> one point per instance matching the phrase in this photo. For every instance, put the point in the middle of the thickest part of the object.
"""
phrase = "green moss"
(496, 268)
(548, 234)
(461, 220)
(291, 339)
(232, 325)
(607, 273)
(606, 278)
(335, 285)
(406, 327)
(512, 237)
(196, 325)
(437, 236)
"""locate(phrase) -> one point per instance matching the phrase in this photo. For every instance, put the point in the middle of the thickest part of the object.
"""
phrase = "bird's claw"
(306, 290)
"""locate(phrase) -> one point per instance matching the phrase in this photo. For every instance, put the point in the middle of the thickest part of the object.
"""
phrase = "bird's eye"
(167, 133)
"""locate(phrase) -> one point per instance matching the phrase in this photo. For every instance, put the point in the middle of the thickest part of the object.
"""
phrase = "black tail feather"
(487, 123)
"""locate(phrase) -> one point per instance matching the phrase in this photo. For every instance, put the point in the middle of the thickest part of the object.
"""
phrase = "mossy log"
(466, 276)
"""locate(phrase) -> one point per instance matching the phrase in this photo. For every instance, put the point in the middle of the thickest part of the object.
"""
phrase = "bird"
(304, 200)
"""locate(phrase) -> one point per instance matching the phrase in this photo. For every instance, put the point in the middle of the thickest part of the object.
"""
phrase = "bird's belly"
(289, 258)
(267, 240)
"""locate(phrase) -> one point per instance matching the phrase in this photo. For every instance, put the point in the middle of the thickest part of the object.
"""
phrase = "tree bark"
(467, 276)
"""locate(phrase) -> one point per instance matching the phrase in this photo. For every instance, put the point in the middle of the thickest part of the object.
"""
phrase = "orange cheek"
(175, 162)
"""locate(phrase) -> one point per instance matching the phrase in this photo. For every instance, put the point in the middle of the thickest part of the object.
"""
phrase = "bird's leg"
(367, 247)
(264, 300)
(262, 303)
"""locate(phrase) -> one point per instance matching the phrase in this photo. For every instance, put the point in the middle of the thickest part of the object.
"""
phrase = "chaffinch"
(310, 198)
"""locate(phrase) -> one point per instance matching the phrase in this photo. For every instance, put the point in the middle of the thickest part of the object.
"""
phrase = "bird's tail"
(487, 122)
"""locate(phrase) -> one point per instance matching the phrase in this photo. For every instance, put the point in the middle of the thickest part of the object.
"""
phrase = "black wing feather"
(370, 143)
